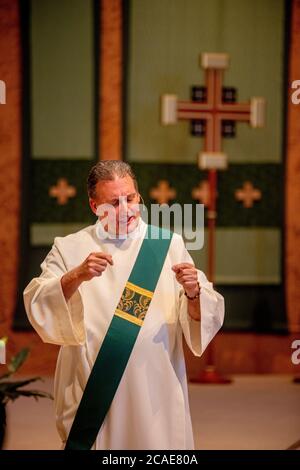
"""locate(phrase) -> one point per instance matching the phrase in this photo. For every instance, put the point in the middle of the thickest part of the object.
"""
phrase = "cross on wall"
(62, 191)
(162, 193)
(248, 194)
(213, 111)
(201, 193)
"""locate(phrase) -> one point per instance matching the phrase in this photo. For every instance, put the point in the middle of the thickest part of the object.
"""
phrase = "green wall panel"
(62, 79)
(258, 308)
(233, 267)
(165, 40)
(45, 174)
(231, 244)
(44, 234)
(248, 240)
(60, 40)
(231, 213)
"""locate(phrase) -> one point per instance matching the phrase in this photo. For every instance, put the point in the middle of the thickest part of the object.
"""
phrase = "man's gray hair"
(108, 170)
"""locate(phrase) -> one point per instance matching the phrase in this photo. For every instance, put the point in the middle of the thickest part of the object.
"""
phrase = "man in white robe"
(72, 303)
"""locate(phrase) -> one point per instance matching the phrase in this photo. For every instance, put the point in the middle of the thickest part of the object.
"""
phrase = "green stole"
(119, 341)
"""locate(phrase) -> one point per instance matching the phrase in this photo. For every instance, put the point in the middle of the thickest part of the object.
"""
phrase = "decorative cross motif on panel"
(62, 191)
(201, 193)
(248, 194)
(163, 193)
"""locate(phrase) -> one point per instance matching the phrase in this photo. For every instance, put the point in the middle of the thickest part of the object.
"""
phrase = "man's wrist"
(193, 295)
(73, 277)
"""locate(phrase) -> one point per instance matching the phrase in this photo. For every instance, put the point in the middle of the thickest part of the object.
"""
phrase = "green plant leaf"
(18, 360)
(11, 390)
(12, 385)
(35, 394)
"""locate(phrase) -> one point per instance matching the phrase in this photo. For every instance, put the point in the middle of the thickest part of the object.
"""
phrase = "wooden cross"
(162, 193)
(248, 194)
(213, 111)
(62, 191)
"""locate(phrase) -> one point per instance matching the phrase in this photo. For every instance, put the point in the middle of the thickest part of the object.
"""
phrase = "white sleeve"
(55, 320)
(199, 334)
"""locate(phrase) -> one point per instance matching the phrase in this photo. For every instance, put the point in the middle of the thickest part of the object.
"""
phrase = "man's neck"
(106, 236)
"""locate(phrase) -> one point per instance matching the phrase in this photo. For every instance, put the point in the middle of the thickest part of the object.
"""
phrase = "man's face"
(122, 196)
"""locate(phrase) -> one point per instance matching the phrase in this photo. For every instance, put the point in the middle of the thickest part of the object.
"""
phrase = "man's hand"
(186, 275)
(94, 265)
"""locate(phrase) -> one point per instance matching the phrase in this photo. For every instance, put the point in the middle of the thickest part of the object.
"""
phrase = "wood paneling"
(110, 106)
(247, 353)
(292, 248)
(42, 359)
